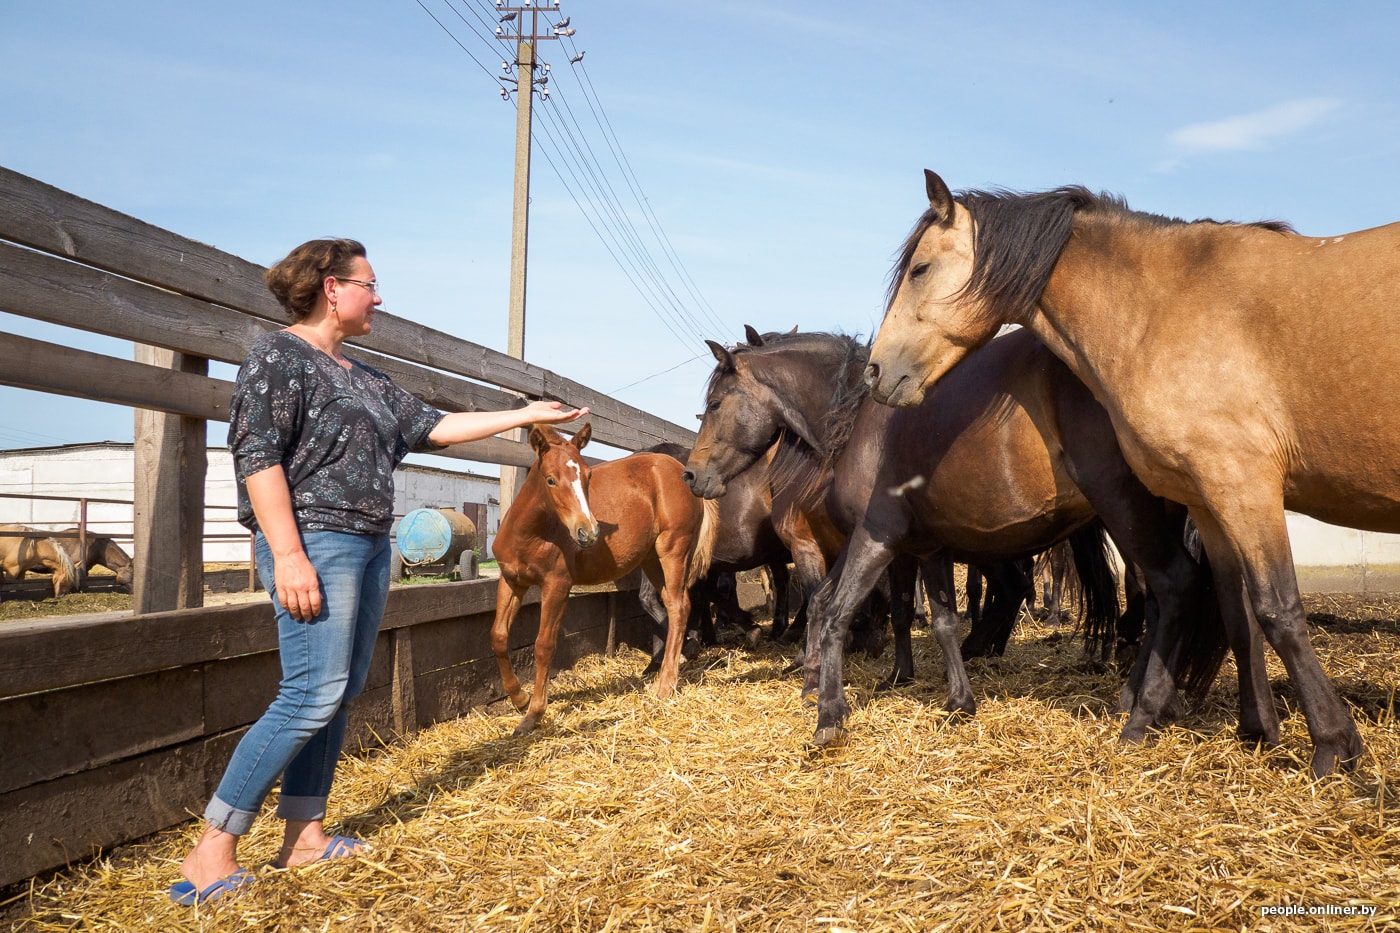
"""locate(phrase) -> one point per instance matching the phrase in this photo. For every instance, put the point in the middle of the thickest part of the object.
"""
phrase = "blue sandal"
(185, 894)
(339, 847)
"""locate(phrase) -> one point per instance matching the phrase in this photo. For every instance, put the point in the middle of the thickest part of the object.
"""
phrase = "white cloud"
(1254, 130)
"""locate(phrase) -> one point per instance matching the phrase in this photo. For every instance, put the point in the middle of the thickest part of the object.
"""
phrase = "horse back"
(978, 466)
(641, 503)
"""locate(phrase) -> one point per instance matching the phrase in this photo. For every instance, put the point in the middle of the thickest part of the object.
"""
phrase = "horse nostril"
(872, 374)
(689, 477)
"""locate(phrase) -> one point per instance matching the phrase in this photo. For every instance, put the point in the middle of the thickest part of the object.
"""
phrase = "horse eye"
(713, 406)
(549, 480)
(918, 270)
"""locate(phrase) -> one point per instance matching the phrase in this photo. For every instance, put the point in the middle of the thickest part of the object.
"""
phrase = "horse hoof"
(961, 707)
(1326, 759)
(1132, 735)
(829, 737)
(665, 691)
(526, 726)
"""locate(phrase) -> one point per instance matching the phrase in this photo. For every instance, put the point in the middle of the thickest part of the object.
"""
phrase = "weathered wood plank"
(170, 463)
(45, 218)
(45, 367)
(51, 824)
(48, 735)
(44, 288)
(46, 654)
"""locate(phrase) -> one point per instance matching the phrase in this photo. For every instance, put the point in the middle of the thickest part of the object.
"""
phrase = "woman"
(315, 438)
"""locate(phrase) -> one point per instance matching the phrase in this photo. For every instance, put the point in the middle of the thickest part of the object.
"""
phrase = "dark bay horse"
(1245, 369)
(572, 524)
(24, 549)
(1011, 458)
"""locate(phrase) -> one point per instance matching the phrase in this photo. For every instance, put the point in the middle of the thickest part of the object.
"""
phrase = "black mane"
(797, 465)
(1018, 238)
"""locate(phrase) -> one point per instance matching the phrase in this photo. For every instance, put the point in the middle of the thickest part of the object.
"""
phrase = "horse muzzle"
(893, 388)
(586, 537)
(704, 483)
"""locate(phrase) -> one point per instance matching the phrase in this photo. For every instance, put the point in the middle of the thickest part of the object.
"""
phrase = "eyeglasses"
(372, 285)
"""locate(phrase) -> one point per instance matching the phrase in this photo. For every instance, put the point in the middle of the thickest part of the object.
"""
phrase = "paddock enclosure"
(707, 812)
(116, 727)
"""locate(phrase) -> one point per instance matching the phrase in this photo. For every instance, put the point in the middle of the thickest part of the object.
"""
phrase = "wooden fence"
(115, 727)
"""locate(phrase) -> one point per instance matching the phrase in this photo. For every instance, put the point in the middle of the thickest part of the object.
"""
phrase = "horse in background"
(24, 549)
(101, 552)
(1013, 457)
(576, 524)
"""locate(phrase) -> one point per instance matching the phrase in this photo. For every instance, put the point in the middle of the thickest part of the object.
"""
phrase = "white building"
(102, 473)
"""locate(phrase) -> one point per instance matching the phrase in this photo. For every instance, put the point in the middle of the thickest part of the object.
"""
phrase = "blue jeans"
(324, 665)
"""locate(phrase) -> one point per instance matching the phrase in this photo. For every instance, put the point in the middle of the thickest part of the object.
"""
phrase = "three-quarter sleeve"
(266, 409)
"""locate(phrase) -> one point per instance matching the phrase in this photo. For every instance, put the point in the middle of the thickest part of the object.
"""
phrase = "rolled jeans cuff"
(222, 816)
(301, 808)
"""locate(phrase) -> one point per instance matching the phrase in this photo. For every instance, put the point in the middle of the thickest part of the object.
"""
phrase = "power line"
(567, 149)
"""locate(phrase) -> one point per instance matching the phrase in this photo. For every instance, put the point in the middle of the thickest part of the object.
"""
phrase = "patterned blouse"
(337, 433)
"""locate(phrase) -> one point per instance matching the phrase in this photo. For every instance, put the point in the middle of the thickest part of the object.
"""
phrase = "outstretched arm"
(463, 426)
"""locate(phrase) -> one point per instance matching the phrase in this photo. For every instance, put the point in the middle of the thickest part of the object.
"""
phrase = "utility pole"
(513, 28)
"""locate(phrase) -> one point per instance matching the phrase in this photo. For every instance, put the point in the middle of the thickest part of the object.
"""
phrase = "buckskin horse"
(101, 552)
(1001, 465)
(24, 549)
(1245, 369)
(572, 524)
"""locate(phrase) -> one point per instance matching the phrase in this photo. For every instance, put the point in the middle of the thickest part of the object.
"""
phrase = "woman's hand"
(552, 413)
(298, 586)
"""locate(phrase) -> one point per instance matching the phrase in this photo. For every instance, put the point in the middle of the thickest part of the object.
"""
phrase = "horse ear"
(752, 336)
(584, 433)
(793, 331)
(726, 359)
(940, 199)
(539, 440)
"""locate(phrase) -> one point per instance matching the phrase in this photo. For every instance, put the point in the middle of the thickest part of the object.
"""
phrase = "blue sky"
(777, 145)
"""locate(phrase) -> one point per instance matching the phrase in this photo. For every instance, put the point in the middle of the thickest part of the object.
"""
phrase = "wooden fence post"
(170, 463)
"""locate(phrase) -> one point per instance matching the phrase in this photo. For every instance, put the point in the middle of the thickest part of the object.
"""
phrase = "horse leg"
(650, 599)
(811, 570)
(944, 618)
(1008, 584)
(1255, 533)
(554, 597)
(671, 567)
(903, 577)
(1259, 723)
(778, 576)
(508, 600)
(974, 594)
(856, 573)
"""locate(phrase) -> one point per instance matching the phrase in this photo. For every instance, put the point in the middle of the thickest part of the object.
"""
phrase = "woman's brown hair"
(296, 281)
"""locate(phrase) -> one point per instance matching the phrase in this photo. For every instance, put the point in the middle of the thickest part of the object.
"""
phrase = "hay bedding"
(707, 813)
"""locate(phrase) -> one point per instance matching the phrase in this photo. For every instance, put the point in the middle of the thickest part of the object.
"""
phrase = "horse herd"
(1168, 380)
(62, 554)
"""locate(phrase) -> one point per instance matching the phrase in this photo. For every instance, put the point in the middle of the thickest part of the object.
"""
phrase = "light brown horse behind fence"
(572, 524)
(100, 552)
(24, 549)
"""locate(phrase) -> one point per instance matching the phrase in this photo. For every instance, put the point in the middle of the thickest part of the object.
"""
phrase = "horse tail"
(1203, 640)
(65, 578)
(1098, 588)
(704, 548)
